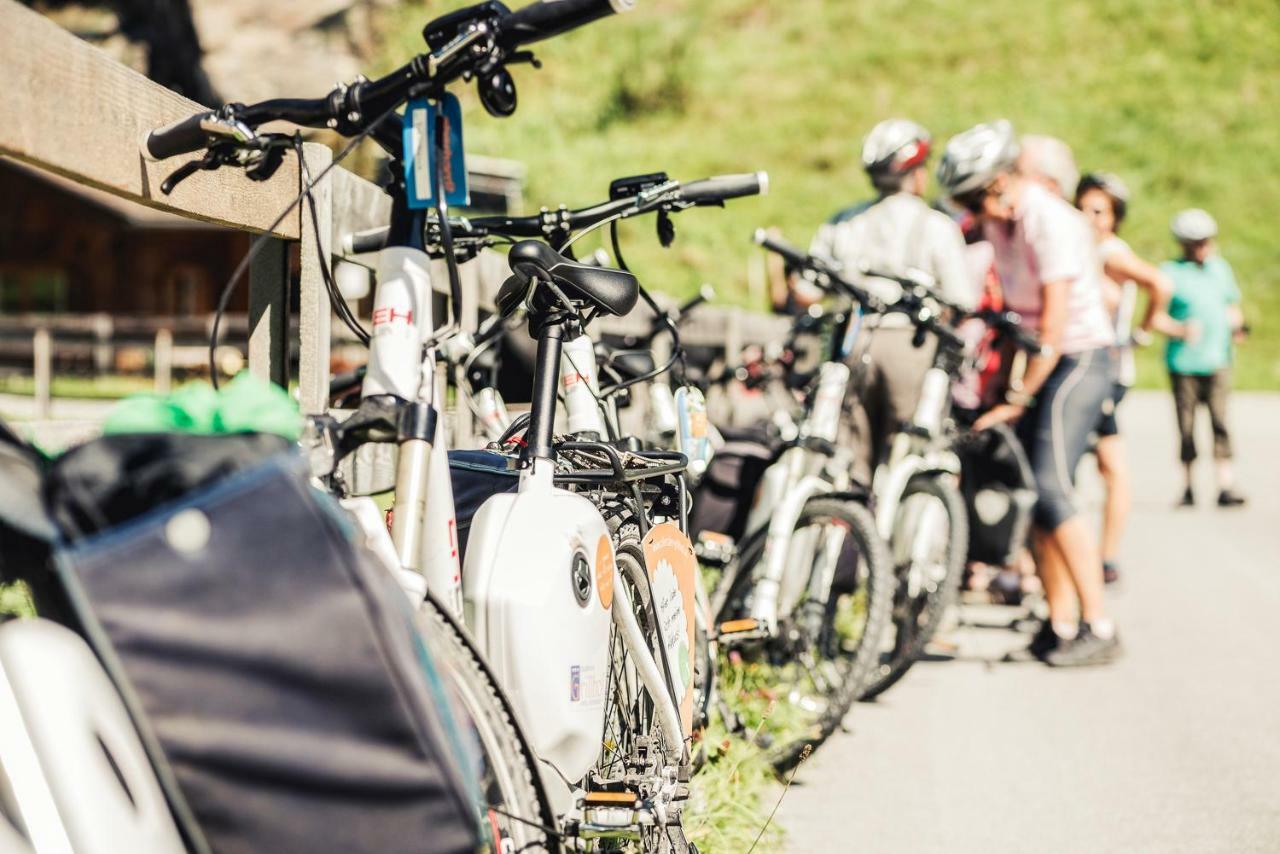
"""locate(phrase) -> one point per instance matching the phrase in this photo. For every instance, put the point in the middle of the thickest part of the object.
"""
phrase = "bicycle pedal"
(733, 632)
(715, 549)
(612, 815)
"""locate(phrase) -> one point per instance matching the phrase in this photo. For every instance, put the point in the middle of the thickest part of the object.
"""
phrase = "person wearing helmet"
(897, 232)
(1205, 308)
(1048, 264)
(1104, 199)
(1048, 160)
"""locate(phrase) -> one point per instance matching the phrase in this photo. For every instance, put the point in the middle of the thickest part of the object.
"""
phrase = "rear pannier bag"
(273, 659)
(724, 497)
(476, 476)
(999, 492)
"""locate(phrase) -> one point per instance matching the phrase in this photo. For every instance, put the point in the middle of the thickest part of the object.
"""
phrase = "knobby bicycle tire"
(926, 611)
(525, 814)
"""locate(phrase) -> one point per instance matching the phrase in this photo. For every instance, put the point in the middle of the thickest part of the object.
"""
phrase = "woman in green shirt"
(1206, 309)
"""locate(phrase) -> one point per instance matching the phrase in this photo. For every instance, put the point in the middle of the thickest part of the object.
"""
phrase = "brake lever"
(185, 171)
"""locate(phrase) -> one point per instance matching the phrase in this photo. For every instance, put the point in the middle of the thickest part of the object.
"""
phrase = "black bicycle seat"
(611, 291)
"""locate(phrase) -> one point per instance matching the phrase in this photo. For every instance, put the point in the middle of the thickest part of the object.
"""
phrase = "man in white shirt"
(896, 233)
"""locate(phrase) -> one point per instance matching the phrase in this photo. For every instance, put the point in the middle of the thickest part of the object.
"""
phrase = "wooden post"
(268, 326)
(314, 312)
(102, 329)
(42, 352)
(162, 361)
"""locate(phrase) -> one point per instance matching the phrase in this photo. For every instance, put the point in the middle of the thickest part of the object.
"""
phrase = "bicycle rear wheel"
(812, 670)
(518, 813)
(931, 540)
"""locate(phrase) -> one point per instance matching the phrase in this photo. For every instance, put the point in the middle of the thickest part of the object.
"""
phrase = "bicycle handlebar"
(548, 18)
(470, 40)
(717, 190)
(708, 191)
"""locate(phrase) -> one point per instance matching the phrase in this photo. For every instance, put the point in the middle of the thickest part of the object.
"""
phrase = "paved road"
(1174, 749)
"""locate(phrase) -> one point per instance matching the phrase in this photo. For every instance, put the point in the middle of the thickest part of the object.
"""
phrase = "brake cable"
(261, 240)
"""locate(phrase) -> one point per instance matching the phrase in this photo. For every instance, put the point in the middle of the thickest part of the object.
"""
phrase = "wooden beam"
(314, 312)
(69, 108)
(358, 205)
(268, 324)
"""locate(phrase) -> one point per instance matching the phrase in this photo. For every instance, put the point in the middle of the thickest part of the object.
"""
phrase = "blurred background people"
(1049, 271)
(1205, 308)
(896, 232)
(1048, 161)
(1104, 199)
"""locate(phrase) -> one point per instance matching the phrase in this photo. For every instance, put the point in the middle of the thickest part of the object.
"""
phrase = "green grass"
(109, 387)
(1181, 98)
(15, 600)
(731, 797)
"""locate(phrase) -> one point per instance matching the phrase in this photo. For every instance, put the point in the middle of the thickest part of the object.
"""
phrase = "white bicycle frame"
(913, 453)
(800, 474)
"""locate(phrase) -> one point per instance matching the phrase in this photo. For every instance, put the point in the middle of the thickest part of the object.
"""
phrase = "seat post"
(542, 411)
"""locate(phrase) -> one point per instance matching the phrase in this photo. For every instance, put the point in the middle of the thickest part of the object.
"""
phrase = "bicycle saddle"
(612, 291)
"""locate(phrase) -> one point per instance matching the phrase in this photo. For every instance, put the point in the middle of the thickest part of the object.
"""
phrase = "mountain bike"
(804, 600)
(401, 401)
(620, 511)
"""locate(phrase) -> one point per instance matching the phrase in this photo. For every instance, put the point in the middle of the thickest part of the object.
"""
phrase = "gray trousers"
(1189, 391)
(887, 395)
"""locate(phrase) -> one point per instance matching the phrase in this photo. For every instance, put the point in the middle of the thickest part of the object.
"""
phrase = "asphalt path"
(1175, 748)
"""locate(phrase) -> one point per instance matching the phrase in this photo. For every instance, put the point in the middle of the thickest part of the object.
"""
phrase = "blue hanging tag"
(418, 141)
(456, 191)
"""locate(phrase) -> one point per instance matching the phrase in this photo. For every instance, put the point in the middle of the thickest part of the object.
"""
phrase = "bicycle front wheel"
(930, 542)
(824, 649)
(518, 813)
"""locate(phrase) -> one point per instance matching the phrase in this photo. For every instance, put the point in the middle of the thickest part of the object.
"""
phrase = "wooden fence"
(70, 109)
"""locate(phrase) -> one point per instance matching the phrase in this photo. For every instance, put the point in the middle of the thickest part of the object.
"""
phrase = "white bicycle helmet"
(973, 159)
(894, 148)
(1193, 225)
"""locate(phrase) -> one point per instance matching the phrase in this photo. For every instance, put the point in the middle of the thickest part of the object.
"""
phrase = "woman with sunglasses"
(1051, 274)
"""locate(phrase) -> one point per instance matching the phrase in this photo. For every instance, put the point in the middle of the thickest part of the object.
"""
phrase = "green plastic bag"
(244, 405)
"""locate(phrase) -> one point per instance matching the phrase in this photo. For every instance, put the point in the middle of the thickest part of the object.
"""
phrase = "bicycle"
(807, 592)
(399, 396)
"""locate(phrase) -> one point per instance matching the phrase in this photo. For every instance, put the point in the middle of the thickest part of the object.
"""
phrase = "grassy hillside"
(1180, 97)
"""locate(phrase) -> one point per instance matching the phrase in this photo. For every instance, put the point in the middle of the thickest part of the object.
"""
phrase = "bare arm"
(1053, 322)
(1124, 266)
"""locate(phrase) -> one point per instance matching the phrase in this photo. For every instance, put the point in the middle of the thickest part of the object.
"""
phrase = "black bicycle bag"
(271, 662)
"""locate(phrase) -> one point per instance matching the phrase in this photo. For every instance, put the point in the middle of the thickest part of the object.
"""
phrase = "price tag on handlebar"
(421, 147)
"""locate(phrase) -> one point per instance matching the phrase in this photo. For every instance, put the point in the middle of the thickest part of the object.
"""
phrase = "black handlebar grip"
(710, 191)
(783, 248)
(373, 240)
(181, 137)
(548, 18)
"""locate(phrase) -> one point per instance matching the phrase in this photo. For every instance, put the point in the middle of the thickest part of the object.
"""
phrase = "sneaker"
(1188, 499)
(1230, 498)
(1046, 640)
(1085, 649)
(1110, 572)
